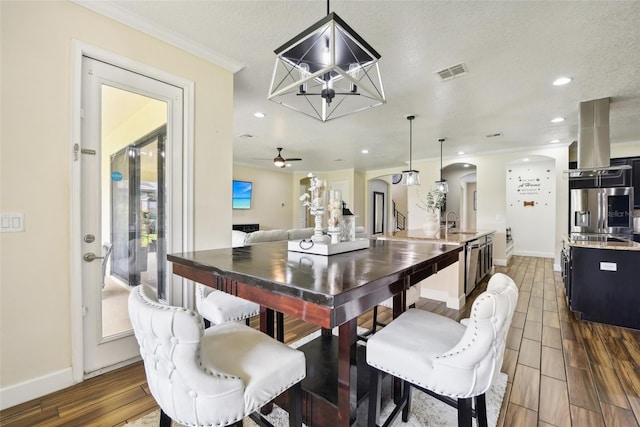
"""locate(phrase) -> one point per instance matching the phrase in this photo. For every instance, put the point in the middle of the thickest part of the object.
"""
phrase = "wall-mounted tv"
(241, 194)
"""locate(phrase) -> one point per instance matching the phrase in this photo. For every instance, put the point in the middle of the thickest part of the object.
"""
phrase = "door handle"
(90, 256)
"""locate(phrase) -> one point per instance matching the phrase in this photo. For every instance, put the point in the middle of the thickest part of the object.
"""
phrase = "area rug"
(425, 410)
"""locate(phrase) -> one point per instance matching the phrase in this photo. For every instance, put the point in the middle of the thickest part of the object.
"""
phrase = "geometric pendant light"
(327, 71)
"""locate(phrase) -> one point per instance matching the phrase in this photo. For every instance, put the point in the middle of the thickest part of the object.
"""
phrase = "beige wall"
(628, 149)
(271, 204)
(36, 47)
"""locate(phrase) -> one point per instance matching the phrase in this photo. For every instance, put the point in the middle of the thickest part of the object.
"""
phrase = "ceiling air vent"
(493, 135)
(246, 136)
(453, 72)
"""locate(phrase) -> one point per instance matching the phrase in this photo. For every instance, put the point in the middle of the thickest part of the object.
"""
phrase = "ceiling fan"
(280, 161)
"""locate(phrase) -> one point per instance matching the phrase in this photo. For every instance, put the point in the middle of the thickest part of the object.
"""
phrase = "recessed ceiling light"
(526, 159)
(557, 120)
(554, 141)
(562, 81)
(288, 165)
(466, 165)
(365, 151)
(460, 153)
(259, 115)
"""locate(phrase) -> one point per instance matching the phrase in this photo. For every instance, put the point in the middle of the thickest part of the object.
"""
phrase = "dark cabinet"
(604, 286)
(635, 180)
(620, 178)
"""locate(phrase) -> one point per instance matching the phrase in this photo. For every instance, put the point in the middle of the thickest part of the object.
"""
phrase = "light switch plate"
(12, 222)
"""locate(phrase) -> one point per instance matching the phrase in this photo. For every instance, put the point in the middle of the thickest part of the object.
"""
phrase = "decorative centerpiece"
(315, 200)
(348, 225)
(321, 244)
(432, 204)
(334, 225)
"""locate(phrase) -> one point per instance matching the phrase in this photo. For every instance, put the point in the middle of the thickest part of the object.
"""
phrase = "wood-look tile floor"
(562, 371)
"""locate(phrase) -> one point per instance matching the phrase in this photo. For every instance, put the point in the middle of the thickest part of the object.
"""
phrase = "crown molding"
(115, 12)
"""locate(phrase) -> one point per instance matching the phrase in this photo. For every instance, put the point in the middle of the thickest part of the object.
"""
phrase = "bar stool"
(454, 362)
(218, 307)
(215, 376)
(412, 295)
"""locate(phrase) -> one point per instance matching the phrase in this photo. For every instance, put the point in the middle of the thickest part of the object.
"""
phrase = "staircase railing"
(401, 220)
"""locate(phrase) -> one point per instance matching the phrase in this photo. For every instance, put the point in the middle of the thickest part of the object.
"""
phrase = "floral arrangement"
(314, 199)
(433, 201)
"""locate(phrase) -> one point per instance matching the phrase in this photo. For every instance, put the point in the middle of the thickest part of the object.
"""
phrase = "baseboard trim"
(534, 254)
(37, 387)
(461, 301)
(500, 262)
(454, 303)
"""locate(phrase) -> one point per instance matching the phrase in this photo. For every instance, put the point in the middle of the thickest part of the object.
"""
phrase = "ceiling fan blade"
(295, 159)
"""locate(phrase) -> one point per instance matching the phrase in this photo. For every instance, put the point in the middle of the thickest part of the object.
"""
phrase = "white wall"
(271, 204)
(468, 203)
(531, 200)
(35, 168)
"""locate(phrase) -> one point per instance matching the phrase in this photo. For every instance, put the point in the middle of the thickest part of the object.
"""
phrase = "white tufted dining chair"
(454, 362)
(212, 377)
(412, 297)
(218, 307)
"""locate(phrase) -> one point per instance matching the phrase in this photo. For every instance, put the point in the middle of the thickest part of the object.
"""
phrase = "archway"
(462, 195)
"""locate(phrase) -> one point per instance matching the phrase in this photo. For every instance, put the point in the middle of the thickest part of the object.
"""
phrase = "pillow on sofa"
(238, 238)
(300, 233)
(266, 236)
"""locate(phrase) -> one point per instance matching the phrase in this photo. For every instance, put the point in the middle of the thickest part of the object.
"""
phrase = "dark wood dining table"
(328, 291)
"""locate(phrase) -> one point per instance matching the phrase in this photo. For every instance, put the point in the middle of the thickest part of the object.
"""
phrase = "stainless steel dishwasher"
(472, 264)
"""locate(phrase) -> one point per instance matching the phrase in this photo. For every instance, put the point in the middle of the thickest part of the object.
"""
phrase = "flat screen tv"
(241, 194)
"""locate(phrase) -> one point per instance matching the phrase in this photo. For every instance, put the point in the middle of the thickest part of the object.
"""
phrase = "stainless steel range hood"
(594, 145)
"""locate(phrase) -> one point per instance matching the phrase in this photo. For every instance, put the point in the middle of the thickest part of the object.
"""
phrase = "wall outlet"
(608, 266)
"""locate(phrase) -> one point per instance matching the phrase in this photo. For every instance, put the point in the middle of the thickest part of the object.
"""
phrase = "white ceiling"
(513, 49)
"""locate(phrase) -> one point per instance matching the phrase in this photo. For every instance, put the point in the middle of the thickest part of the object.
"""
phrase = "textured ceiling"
(513, 49)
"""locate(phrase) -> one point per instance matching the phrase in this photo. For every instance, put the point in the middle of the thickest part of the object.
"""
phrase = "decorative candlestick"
(335, 216)
(316, 207)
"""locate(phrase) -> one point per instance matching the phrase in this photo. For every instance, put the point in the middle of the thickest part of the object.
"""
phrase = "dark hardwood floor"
(562, 371)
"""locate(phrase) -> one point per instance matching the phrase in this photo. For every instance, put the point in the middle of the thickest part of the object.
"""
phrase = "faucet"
(446, 223)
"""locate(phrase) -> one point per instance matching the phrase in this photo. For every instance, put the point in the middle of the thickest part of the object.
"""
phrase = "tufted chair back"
(469, 368)
(186, 388)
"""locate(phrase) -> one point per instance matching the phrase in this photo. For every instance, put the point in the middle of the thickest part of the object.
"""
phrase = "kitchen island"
(602, 280)
(454, 283)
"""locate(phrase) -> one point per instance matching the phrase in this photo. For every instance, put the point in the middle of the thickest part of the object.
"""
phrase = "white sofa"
(240, 238)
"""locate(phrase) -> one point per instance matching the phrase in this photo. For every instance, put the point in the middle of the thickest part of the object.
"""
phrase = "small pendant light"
(442, 185)
(411, 176)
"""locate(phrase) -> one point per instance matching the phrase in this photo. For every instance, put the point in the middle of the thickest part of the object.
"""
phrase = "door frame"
(80, 49)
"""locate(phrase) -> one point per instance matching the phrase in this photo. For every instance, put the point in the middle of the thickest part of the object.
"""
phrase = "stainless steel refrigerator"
(602, 211)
